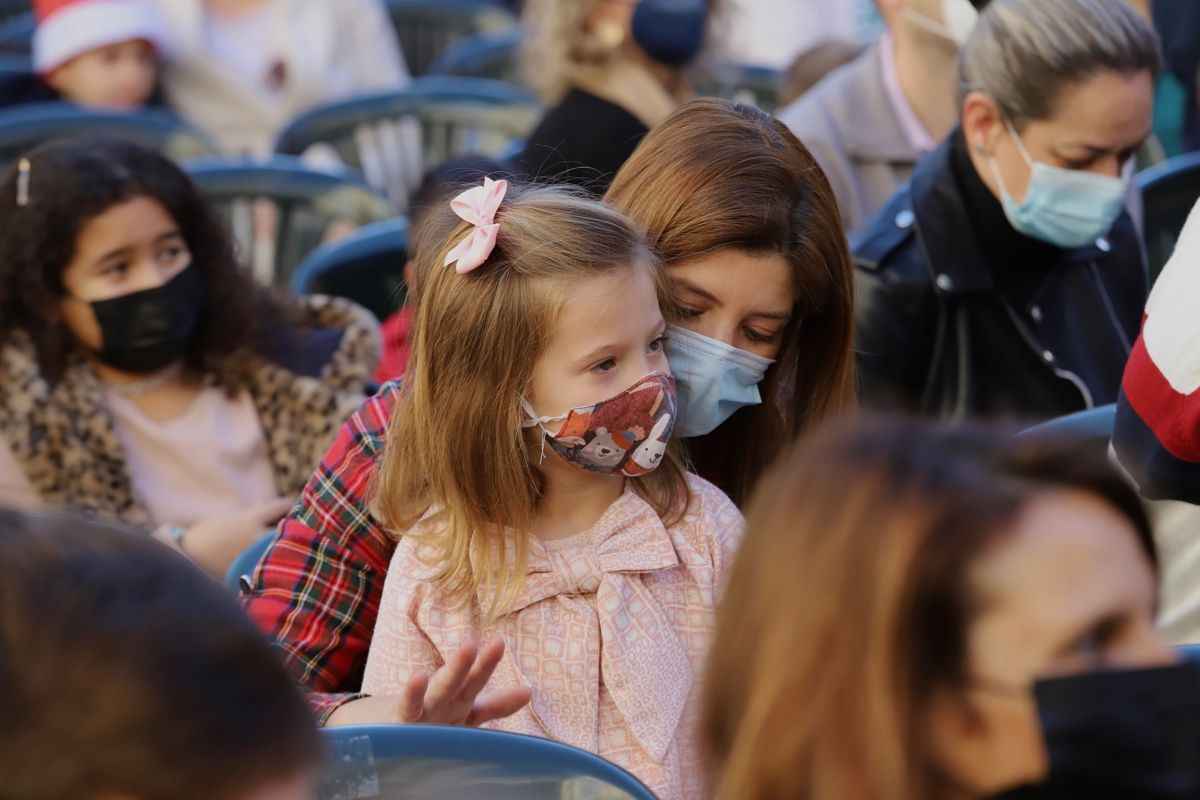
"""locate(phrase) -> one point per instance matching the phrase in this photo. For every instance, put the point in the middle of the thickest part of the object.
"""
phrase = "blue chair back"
(757, 86)
(485, 55)
(424, 762)
(16, 30)
(24, 127)
(1169, 192)
(367, 267)
(247, 561)
(1093, 426)
(1189, 652)
(394, 138)
(281, 210)
(427, 28)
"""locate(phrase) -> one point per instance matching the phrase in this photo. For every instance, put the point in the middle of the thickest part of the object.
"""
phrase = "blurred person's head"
(109, 252)
(100, 54)
(902, 595)
(128, 674)
(1057, 98)
(748, 228)
(566, 38)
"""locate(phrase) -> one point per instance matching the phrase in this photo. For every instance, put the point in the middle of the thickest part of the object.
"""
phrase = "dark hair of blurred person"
(125, 672)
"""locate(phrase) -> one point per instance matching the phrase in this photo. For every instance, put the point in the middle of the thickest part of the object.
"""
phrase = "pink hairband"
(477, 206)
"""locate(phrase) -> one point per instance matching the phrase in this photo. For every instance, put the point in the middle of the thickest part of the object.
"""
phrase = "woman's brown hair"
(125, 671)
(718, 174)
(455, 445)
(850, 601)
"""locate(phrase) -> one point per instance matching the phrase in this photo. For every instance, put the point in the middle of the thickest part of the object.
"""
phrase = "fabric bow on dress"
(477, 206)
(627, 643)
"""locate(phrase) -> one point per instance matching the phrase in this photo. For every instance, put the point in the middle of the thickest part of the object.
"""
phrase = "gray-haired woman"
(1007, 279)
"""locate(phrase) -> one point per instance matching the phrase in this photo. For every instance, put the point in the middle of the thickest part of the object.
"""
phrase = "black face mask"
(1127, 735)
(671, 31)
(145, 332)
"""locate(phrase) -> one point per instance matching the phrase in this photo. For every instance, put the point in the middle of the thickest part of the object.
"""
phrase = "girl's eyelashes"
(114, 270)
(658, 344)
(604, 366)
(688, 312)
(757, 336)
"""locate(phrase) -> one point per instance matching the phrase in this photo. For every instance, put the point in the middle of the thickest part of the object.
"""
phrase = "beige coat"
(848, 122)
(329, 50)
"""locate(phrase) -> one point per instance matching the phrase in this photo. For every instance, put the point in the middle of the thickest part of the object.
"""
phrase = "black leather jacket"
(938, 331)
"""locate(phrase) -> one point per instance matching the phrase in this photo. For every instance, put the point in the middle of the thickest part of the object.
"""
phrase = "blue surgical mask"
(1065, 207)
(671, 32)
(713, 379)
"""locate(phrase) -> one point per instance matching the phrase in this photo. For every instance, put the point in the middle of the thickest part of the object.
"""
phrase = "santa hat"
(70, 28)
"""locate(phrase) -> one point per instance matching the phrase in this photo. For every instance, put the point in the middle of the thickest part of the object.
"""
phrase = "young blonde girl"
(529, 472)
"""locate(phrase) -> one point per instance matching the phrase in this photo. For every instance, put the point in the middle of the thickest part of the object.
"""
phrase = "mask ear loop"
(23, 176)
(535, 421)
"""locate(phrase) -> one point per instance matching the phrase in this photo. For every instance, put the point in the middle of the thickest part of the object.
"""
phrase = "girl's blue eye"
(689, 313)
(605, 366)
(113, 270)
(658, 344)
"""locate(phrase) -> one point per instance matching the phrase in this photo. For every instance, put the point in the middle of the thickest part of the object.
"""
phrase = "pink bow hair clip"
(477, 206)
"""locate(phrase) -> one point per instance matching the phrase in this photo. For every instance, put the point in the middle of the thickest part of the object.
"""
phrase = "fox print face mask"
(626, 434)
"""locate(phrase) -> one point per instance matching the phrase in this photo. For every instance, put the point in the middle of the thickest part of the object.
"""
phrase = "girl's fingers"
(481, 672)
(446, 684)
(412, 703)
(499, 704)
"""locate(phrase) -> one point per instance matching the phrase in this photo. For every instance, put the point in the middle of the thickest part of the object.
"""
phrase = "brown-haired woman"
(752, 239)
(925, 614)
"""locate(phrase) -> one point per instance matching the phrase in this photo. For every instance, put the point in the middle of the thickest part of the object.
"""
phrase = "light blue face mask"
(713, 379)
(1065, 207)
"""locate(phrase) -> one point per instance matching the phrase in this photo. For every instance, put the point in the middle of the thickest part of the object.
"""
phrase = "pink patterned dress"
(610, 632)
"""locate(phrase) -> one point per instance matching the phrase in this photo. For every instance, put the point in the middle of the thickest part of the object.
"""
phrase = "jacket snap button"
(1104, 245)
(944, 282)
(905, 219)
(1048, 356)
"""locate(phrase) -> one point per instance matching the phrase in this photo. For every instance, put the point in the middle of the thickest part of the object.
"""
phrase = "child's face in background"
(129, 248)
(120, 77)
(609, 335)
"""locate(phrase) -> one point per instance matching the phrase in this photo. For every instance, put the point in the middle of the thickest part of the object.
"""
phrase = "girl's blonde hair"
(455, 446)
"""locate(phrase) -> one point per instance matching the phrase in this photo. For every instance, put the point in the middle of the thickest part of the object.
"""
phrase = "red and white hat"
(70, 28)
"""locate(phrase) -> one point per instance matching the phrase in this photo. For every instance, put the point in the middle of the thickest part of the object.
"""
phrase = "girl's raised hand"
(451, 697)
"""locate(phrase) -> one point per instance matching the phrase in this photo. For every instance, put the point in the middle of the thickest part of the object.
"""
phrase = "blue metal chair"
(424, 762)
(485, 55)
(758, 86)
(1094, 423)
(24, 127)
(16, 30)
(281, 210)
(245, 564)
(1094, 427)
(1169, 192)
(367, 267)
(427, 28)
(12, 66)
(394, 138)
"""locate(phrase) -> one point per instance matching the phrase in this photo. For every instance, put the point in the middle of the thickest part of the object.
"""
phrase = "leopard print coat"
(66, 442)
